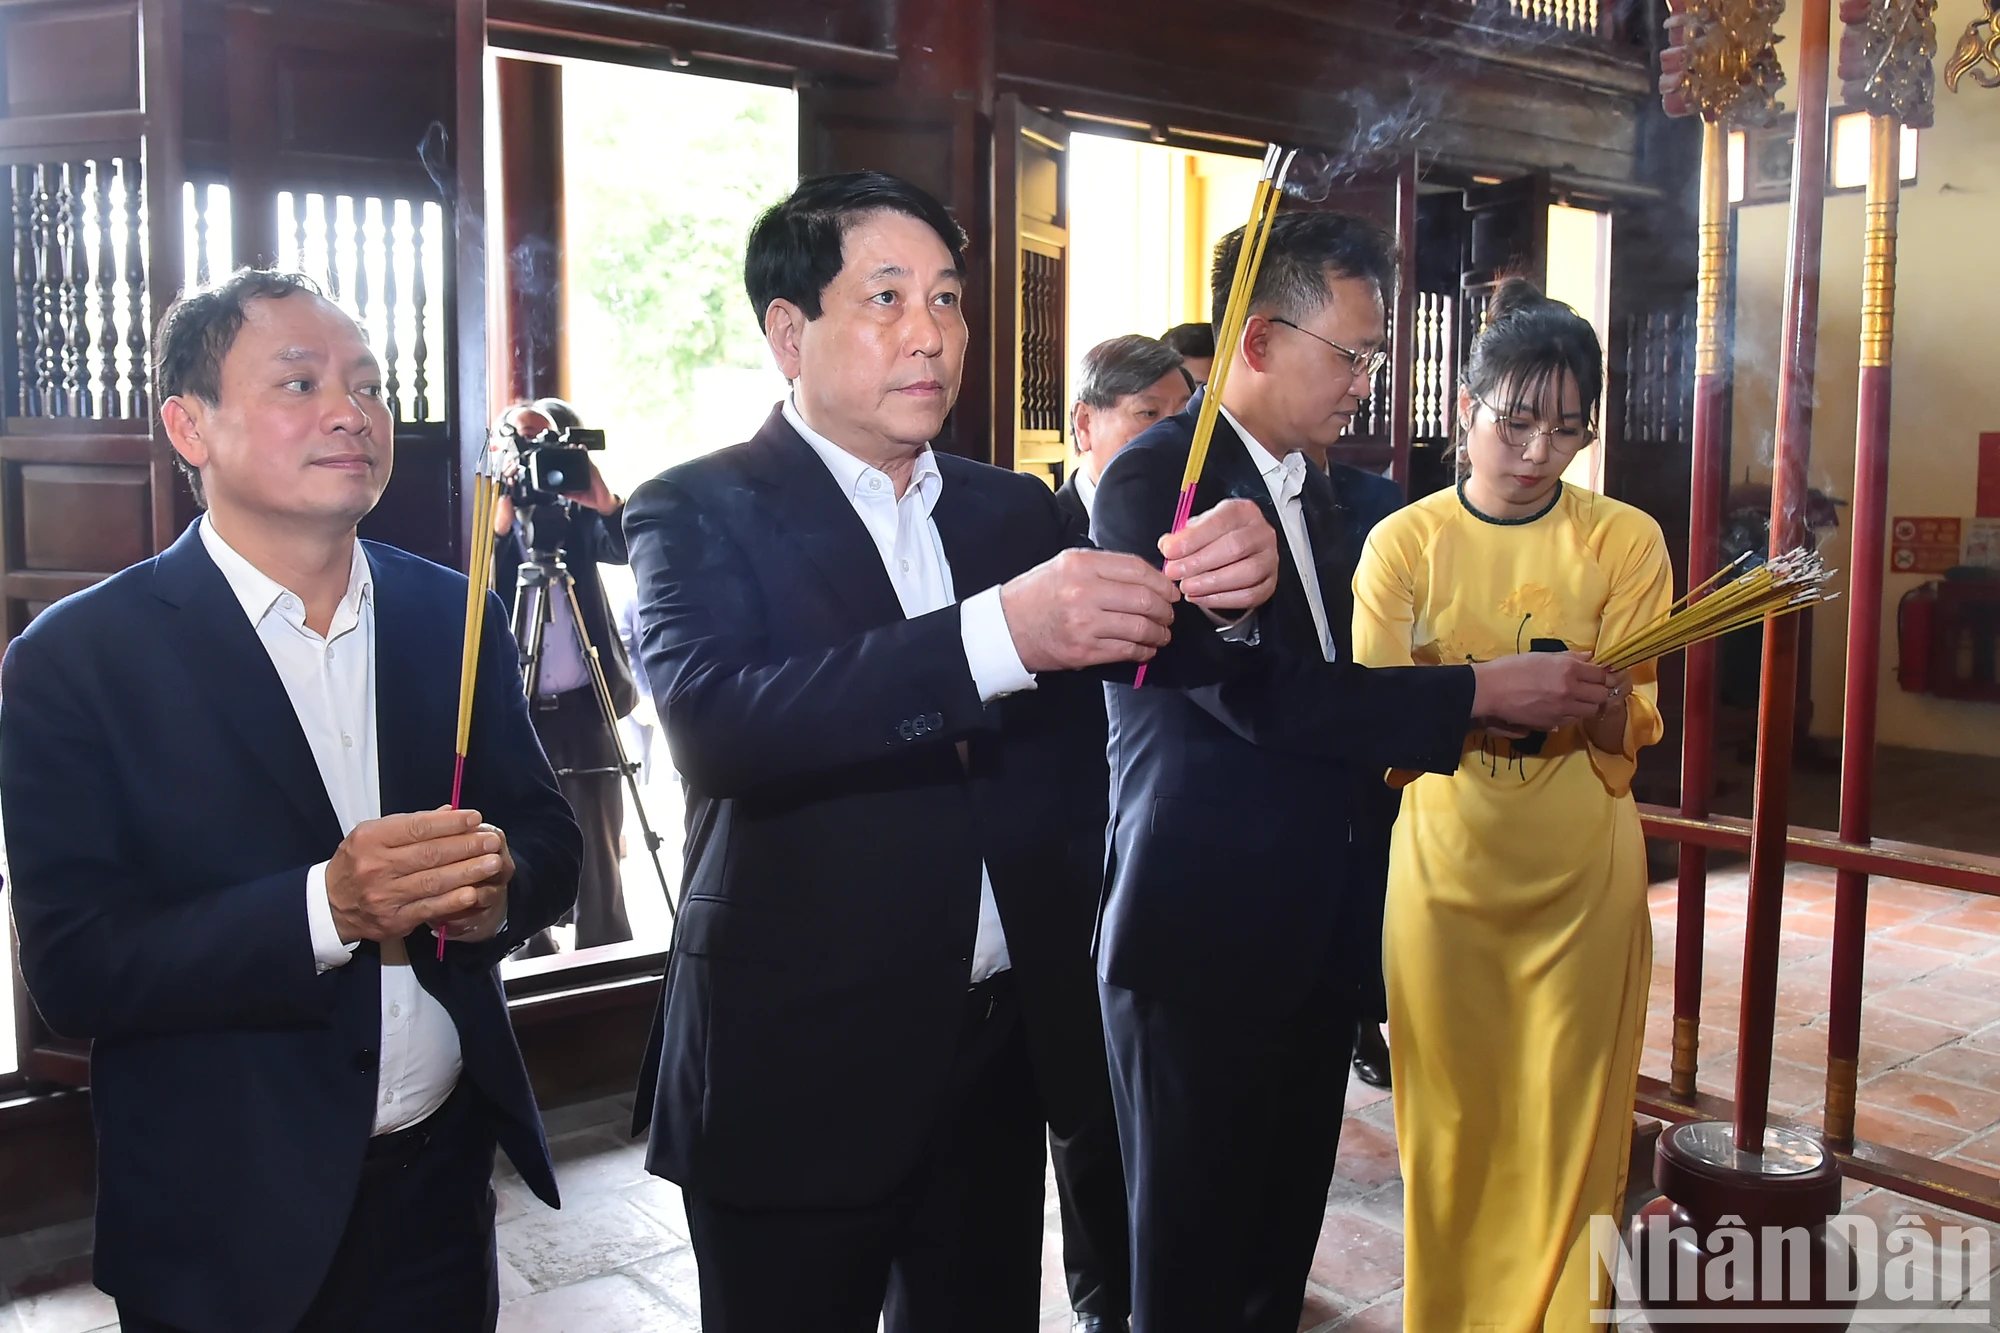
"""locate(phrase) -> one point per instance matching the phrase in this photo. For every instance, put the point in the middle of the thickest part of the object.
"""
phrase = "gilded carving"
(1978, 52)
(1885, 58)
(1721, 60)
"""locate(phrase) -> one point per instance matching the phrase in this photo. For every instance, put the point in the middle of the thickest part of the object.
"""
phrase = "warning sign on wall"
(1982, 542)
(1923, 545)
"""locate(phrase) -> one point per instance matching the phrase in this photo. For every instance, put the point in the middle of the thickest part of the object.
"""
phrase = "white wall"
(1947, 376)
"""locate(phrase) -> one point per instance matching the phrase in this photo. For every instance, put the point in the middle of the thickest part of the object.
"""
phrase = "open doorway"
(657, 177)
(663, 175)
(1144, 221)
(1579, 250)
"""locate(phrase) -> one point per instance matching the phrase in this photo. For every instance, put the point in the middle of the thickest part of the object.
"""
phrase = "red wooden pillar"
(1771, 805)
(1710, 467)
(532, 267)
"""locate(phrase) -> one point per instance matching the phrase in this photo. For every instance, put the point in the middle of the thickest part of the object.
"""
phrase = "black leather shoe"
(1371, 1055)
(1097, 1323)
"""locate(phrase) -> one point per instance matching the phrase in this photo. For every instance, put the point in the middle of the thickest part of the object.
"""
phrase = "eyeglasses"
(1360, 365)
(1564, 441)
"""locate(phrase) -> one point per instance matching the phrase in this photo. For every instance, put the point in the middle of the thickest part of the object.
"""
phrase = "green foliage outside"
(665, 174)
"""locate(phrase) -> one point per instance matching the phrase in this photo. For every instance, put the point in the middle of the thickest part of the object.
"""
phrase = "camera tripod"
(543, 572)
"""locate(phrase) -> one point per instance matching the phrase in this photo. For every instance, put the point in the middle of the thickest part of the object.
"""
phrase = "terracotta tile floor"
(616, 1259)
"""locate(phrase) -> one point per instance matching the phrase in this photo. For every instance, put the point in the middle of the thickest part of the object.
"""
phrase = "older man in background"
(1126, 385)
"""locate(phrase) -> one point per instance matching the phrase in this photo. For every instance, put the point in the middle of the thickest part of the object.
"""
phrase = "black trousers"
(418, 1254)
(956, 1248)
(1090, 1187)
(574, 735)
(1229, 1125)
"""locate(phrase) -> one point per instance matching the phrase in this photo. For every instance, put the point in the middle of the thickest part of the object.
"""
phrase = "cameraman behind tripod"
(576, 517)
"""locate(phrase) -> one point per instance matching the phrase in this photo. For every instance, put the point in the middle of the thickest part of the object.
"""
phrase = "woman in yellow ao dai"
(1517, 944)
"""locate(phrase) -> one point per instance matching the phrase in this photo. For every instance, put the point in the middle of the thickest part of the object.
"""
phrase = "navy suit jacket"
(1236, 791)
(816, 994)
(162, 810)
(1070, 500)
(1361, 500)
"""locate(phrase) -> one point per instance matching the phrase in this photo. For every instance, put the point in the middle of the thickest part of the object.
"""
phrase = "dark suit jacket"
(163, 808)
(593, 539)
(817, 988)
(1226, 795)
(1075, 513)
(1361, 500)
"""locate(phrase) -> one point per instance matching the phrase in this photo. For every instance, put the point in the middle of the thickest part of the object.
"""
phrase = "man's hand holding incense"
(394, 874)
(1088, 608)
(1225, 560)
(1540, 691)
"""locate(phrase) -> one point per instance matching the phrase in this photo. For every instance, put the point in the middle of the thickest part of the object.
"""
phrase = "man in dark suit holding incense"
(868, 657)
(1236, 930)
(224, 772)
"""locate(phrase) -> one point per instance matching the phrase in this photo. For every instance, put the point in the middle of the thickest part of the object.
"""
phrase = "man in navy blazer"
(867, 658)
(1240, 929)
(223, 772)
(1360, 501)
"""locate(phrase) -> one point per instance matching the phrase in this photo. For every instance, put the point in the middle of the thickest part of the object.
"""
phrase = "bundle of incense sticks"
(1235, 314)
(478, 579)
(1778, 587)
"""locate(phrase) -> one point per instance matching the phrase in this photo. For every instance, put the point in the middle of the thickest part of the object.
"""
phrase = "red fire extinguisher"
(1916, 633)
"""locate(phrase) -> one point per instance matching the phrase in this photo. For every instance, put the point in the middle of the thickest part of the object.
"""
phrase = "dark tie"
(1327, 528)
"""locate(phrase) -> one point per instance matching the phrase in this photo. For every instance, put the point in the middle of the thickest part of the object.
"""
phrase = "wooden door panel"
(72, 59)
(1030, 323)
(1378, 439)
(78, 516)
(92, 139)
(932, 142)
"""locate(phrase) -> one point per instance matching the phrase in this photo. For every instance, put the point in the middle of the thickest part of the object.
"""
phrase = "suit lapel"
(233, 673)
(416, 693)
(1231, 473)
(973, 529)
(808, 510)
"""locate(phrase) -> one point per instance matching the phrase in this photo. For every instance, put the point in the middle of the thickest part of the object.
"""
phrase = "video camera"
(543, 457)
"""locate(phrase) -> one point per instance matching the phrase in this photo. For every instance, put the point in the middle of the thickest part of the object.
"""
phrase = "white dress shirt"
(1086, 489)
(1286, 480)
(913, 554)
(331, 683)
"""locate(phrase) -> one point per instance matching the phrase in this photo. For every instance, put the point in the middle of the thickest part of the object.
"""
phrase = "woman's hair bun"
(1514, 295)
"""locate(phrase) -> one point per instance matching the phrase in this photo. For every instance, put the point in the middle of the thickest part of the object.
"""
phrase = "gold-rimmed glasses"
(1519, 435)
(1360, 365)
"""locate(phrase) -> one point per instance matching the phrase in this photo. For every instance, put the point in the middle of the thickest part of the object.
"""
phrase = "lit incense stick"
(1235, 314)
(478, 577)
(1784, 584)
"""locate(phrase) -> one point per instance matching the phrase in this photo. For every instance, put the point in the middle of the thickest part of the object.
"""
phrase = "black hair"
(795, 247)
(1196, 340)
(1130, 363)
(1528, 342)
(197, 332)
(1304, 251)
